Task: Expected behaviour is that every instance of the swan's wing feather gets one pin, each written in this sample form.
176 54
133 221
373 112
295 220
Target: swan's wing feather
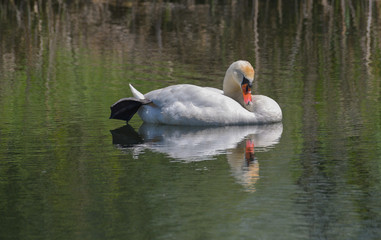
216 90
125 108
192 105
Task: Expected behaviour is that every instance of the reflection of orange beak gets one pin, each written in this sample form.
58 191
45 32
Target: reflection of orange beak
249 151
246 92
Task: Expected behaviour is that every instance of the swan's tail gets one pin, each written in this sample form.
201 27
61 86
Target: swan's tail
136 93
125 108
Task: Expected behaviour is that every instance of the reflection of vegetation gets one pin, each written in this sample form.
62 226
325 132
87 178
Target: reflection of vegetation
62 63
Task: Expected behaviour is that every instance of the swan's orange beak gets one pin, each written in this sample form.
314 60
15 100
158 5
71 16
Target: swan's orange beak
246 92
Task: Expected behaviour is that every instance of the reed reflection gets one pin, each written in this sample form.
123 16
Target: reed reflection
189 144
190 30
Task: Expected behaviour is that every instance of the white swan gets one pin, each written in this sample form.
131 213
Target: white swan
186 104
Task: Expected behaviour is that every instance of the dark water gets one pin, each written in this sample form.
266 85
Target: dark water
68 172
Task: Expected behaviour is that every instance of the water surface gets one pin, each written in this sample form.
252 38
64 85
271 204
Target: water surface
68 172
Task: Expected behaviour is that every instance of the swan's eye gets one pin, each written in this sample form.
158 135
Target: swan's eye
246 81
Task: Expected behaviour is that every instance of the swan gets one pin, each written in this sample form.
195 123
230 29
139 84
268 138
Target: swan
186 104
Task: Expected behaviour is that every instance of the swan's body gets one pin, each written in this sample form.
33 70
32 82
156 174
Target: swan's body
192 105
186 104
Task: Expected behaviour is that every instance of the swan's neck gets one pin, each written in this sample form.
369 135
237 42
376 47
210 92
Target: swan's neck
233 90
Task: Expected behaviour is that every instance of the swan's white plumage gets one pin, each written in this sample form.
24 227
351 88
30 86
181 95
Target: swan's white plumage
186 104
193 105
136 93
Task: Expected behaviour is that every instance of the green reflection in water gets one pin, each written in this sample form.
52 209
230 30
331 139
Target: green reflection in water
63 64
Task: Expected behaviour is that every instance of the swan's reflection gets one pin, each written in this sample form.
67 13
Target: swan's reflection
244 165
189 144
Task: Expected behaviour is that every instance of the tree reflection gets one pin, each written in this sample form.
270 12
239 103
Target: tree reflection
180 28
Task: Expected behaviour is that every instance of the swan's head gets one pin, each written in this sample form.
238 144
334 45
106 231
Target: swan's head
238 81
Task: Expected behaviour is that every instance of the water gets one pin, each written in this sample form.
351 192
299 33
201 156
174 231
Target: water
68 172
